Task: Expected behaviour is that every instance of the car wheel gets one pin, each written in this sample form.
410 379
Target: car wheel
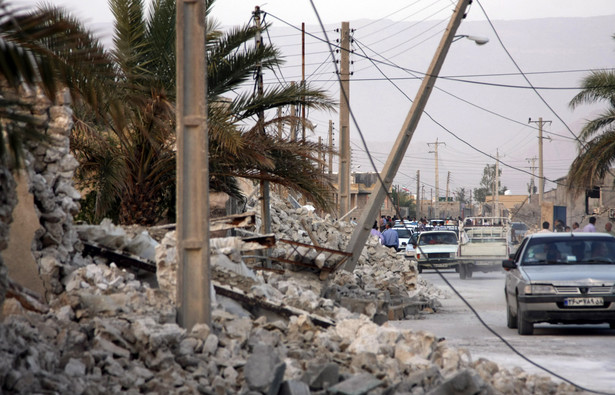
524 327
469 271
511 319
420 269
462 271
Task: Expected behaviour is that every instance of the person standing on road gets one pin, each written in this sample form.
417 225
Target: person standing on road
591 226
376 232
545 227
608 228
575 227
391 238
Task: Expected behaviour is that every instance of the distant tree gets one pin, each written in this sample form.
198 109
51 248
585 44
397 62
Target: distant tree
487 184
461 195
403 198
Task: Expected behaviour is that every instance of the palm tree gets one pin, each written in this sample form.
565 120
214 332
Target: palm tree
128 160
597 149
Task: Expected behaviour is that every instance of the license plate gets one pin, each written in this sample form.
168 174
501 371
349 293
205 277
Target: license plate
583 302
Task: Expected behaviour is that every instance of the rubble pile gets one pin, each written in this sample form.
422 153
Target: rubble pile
109 333
383 286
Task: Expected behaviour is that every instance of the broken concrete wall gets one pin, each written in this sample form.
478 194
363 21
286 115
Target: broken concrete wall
50 168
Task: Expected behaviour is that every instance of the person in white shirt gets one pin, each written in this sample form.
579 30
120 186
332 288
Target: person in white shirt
545 227
591 226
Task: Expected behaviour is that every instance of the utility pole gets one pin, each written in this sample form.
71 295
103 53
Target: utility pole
293 120
497 183
303 80
418 194
330 147
362 231
532 169
541 178
265 198
193 271
435 151
448 184
344 170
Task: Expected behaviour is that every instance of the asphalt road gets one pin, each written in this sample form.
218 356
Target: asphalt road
582 354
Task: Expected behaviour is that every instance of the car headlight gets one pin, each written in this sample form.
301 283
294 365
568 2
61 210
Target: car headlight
539 289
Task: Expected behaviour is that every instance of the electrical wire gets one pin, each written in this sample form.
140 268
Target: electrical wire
497 35
437 270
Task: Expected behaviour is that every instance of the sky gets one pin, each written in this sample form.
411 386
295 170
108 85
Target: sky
229 12
471 138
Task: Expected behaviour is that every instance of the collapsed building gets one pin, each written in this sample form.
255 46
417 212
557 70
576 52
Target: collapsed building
306 326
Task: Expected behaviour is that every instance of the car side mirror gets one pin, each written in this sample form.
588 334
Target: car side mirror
509 264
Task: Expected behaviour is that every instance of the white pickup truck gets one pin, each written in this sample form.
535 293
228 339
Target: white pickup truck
484 242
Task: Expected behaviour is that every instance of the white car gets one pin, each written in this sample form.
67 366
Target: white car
404 235
436 249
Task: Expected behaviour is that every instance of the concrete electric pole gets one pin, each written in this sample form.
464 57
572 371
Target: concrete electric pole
362 231
330 147
437 204
497 183
532 169
418 195
344 170
541 178
193 272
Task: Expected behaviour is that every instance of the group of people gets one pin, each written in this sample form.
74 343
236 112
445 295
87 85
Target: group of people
590 227
388 237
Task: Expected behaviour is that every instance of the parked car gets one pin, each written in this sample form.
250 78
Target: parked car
436 249
404 235
561 278
519 230
410 251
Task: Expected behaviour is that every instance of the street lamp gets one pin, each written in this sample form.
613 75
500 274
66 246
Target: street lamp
477 39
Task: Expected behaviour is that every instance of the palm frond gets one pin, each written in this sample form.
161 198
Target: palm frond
592 164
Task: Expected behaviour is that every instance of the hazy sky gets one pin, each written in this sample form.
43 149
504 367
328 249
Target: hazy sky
233 12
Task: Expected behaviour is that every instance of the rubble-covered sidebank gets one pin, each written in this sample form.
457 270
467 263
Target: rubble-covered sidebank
107 332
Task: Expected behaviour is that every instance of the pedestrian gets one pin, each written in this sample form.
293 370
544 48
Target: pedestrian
545 227
591 226
608 228
567 229
575 227
559 226
390 237
376 232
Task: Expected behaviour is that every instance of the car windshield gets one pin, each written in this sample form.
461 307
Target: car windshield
570 251
519 226
403 233
437 238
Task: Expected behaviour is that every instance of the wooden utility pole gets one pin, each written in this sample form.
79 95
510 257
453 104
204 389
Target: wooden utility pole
362 231
330 147
435 151
293 122
193 271
541 178
418 194
344 169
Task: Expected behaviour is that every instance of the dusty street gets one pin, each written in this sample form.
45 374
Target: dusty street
583 354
